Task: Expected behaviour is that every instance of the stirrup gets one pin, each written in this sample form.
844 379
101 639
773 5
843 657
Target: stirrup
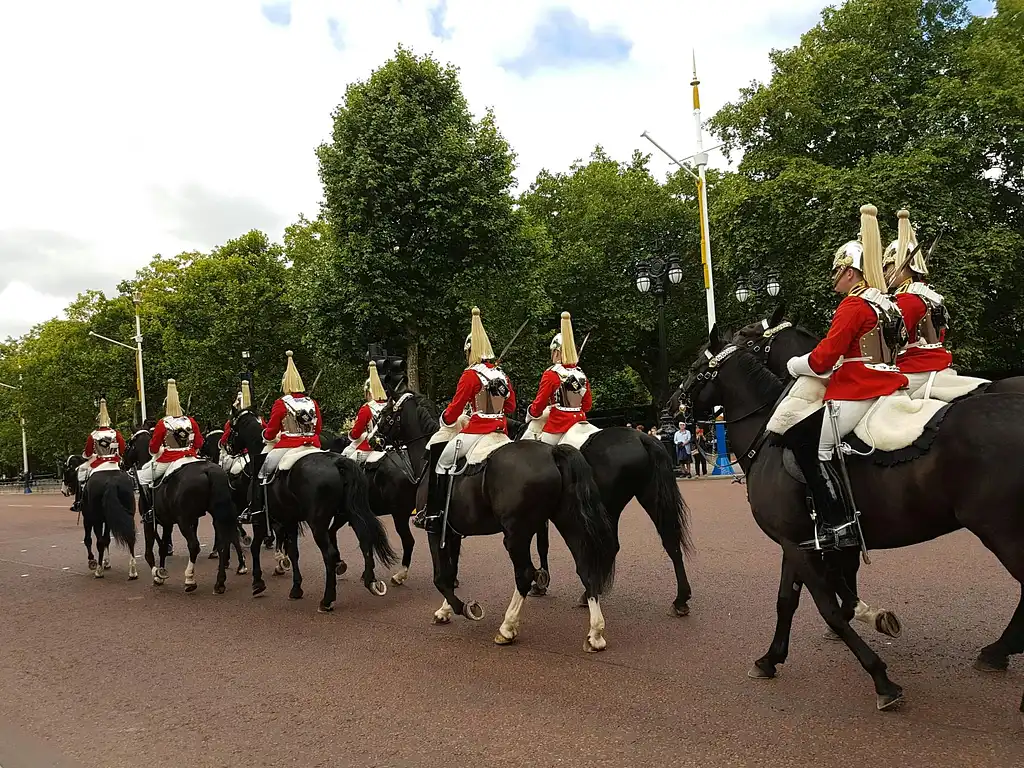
830 539
420 521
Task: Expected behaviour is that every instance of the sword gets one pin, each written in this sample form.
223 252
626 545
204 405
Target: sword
448 496
513 341
935 242
584 344
833 416
310 393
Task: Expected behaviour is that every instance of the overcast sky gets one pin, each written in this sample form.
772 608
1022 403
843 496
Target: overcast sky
136 127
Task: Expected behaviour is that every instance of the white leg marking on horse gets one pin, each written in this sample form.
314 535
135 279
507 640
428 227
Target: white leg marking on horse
133 571
444 613
190 573
510 626
400 577
595 639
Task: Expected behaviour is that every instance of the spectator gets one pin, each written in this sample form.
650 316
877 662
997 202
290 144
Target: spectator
700 450
640 428
682 440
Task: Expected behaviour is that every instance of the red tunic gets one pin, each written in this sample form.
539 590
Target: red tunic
276 422
915 359
468 387
559 421
226 435
363 419
853 381
90 449
173 454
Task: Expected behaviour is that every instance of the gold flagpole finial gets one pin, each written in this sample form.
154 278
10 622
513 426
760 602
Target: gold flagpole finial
695 83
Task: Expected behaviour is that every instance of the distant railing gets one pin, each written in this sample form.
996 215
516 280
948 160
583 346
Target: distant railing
50 485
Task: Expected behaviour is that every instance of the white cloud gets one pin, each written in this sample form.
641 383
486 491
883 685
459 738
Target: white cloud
133 128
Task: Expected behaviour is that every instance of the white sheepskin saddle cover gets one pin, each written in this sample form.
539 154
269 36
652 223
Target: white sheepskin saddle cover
948 385
234 465
445 434
294 454
174 466
106 466
893 423
578 434
363 457
485 446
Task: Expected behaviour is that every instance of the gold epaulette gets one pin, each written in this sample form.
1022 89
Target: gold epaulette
904 286
858 289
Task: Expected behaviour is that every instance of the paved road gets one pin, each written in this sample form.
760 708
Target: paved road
111 673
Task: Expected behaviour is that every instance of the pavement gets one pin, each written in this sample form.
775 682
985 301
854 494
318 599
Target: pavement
114 673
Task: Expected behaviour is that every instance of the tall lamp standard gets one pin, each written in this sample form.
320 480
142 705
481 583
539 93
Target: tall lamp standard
24 441
137 349
748 288
654 275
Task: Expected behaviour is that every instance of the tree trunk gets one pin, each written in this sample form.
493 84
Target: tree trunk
412 364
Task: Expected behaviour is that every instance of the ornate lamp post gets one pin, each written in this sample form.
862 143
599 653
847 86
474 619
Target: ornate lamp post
655 275
749 287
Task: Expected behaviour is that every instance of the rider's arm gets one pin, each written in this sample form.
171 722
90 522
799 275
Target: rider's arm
159 432
227 433
198 442
510 402
362 419
319 419
120 444
89 448
846 324
549 382
588 401
912 308
469 385
277 414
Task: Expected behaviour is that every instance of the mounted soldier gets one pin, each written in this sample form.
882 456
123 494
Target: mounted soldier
175 437
563 398
858 357
226 432
366 420
925 362
483 398
105 445
294 422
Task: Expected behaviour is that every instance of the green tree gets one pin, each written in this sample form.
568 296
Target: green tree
418 198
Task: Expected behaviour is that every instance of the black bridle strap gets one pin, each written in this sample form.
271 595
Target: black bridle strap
762 435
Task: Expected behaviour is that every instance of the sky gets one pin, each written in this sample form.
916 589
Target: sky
135 128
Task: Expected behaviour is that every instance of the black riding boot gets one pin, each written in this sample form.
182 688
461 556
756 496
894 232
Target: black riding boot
430 515
835 524
76 506
257 503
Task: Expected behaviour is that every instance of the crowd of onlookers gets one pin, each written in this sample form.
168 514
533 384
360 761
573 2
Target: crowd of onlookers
689 444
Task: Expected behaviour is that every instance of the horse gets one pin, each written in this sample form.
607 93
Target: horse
108 509
775 340
181 499
519 487
908 503
136 456
323 491
627 464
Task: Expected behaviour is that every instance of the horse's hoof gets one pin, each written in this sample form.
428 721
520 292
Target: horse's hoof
595 644
887 623
536 591
830 635
456 584
400 578
322 608
296 593
219 589
92 565
213 555
681 609
133 576
258 589
106 566
473 611
191 587
500 639
379 588
161 573
889 701
340 568
759 672
242 570
98 573
278 570
542 579
158 582
286 563
441 619
983 664
245 540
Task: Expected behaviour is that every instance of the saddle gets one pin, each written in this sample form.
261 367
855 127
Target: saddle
173 467
290 459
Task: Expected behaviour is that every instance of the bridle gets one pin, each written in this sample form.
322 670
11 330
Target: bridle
762 346
391 419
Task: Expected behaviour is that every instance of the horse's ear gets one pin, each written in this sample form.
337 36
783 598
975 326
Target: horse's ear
715 339
778 315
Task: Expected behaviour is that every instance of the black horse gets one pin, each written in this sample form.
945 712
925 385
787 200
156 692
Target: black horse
239 495
108 509
136 456
517 490
324 491
628 464
775 340
904 504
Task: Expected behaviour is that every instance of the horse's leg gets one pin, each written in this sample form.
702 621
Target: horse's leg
105 533
995 656
102 544
88 542
888 694
518 549
260 527
844 580
445 567
401 519
648 499
322 537
190 532
292 548
542 575
785 606
456 546
215 552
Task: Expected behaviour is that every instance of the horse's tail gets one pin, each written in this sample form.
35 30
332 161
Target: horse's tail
582 512
365 524
118 505
221 505
670 514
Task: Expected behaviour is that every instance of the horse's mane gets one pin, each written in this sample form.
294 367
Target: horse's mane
765 383
426 411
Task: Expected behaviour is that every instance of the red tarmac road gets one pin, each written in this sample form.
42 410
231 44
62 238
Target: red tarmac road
111 673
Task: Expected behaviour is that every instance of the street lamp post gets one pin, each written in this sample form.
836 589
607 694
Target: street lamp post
747 288
655 275
24 440
137 349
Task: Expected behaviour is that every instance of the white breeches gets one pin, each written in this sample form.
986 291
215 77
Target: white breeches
271 461
849 413
456 448
150 474
83 473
